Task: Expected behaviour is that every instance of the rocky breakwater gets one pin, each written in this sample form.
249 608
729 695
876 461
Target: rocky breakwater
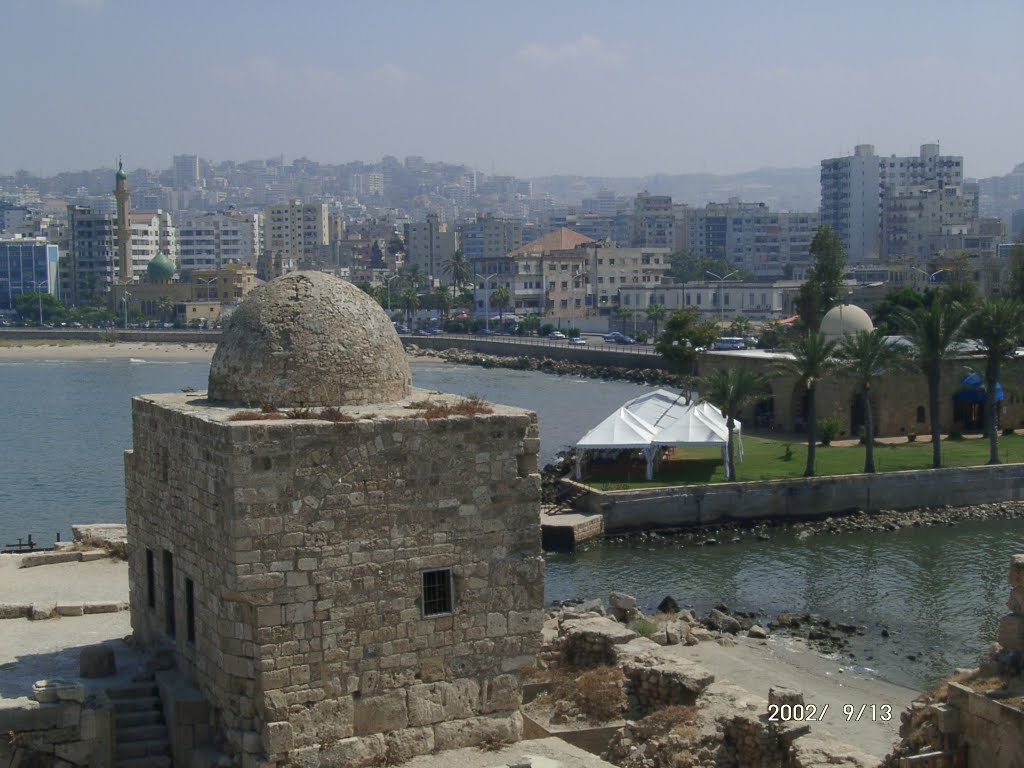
558 367
678 713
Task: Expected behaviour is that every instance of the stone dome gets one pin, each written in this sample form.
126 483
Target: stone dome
843 319
160 267
309 339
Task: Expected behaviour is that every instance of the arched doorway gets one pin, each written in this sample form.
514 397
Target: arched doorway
800 407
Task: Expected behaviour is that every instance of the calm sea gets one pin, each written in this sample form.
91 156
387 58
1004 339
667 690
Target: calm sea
940 592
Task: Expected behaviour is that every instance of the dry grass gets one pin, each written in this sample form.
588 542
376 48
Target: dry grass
256 416
469 406
679 721
598 694
330 413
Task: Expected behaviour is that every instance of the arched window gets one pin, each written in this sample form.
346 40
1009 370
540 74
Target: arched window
920 414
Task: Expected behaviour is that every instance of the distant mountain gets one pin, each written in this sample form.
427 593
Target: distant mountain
784 189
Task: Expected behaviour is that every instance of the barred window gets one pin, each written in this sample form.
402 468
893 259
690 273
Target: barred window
438 592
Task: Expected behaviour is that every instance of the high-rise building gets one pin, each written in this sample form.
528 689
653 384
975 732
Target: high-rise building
489 237
186 171
851 190
428 245
296 232
925 220
654 221
26 265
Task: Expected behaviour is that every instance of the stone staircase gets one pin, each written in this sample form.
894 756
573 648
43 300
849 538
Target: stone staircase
141 732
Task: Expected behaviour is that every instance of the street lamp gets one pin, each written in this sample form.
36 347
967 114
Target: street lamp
721 281
125 297
209 282
487 298
929 277
387 282
39 294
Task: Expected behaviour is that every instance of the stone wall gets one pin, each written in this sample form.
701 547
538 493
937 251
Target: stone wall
305 542
805 498
61 726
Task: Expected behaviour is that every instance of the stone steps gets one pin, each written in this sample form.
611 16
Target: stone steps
141 732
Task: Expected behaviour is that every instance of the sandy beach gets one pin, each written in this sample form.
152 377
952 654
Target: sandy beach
58 349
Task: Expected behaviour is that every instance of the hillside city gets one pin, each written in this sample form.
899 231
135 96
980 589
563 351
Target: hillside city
576 252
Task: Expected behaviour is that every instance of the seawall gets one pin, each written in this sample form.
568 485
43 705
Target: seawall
799 499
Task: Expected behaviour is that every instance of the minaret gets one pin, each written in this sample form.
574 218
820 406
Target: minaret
124 235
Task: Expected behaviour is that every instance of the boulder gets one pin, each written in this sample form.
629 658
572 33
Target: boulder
723 622
758 632
622 606
668 605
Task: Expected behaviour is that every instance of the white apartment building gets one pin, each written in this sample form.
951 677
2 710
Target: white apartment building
851 189
428 245
925 220
210 240
296 231
929 167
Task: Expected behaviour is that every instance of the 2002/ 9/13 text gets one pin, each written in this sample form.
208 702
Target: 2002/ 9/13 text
788 713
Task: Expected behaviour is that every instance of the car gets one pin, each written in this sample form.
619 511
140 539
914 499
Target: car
422 332
730 342
613 336
578 341
435 331
402 328
625 340
484 332
556 335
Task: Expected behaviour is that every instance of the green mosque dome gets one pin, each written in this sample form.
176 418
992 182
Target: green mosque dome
160 268
120 175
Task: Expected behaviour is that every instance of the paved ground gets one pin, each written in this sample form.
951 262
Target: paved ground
542 753
38 650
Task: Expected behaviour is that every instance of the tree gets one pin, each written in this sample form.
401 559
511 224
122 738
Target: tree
740 326
655 314
396 246
813 359
684 333
412 277
997 323
865 355
933 329
731 390
165 307
623 313
410 302
820 291
886 311
442 301
1017 270
500 299
458 270
28 304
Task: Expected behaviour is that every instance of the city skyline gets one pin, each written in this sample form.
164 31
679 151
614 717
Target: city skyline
535 90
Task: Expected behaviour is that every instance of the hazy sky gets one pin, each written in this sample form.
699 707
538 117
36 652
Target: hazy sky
602 87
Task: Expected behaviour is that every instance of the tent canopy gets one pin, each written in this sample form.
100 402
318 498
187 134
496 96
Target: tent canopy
658 419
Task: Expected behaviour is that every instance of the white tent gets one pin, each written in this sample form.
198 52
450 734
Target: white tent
659 419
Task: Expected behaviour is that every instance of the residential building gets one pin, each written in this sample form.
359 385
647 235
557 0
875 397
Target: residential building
713 300
489 237
297 232
27 265
428 245
851 190
211 240
654 221
186 171
921 221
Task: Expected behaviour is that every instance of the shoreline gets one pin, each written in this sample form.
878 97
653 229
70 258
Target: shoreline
90 350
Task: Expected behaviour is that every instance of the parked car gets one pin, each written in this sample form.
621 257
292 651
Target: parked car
422 332
613 336
557 336
402 328
578 341
484 332
625 340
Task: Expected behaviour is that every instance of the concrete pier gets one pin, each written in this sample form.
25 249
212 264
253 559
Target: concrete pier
563 531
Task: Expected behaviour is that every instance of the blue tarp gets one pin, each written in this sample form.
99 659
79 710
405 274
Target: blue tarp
972 389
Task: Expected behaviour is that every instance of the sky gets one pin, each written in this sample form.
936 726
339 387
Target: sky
602 87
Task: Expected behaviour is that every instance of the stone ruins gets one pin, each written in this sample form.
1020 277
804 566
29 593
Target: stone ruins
350 574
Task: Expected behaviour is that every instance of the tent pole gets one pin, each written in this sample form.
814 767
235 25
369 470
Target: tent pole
579 465
649 455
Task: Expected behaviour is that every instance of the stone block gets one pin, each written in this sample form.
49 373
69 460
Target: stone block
305 757
436 702
1017 571
494 729
497 625
377 714
71 692
779 695
45 691
96 660
14 610
501 693
408 743
1011 632
269 616
100 607
298 612
74 609
41 612
356 752
1016 601
75 752
278 737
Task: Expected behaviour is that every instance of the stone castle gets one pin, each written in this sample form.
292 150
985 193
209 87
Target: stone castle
345 567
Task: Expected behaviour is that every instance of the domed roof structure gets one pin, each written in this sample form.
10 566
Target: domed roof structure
843 319
309 339
120 175
160 267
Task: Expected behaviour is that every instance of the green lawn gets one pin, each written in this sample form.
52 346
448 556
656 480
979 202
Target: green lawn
765 459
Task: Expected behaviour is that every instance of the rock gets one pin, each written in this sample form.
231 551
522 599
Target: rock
97 661
726 641
660 636
758 632
622 606
779 695
721 621
668 605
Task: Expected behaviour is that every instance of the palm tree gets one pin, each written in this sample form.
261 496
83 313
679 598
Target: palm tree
813 359
933 330
411 302
458 270
655 314
740 326
866 356
998 324
623 313
165 307
500 299
731 390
